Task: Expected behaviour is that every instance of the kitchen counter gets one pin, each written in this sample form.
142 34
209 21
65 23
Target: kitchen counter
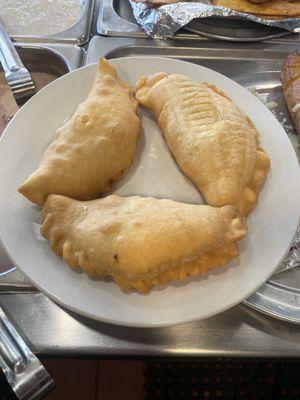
240 332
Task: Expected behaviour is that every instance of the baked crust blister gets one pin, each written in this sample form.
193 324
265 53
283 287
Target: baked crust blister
213 142
141 242
93 147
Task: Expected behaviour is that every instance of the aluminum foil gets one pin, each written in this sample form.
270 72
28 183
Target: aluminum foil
292 260
164 21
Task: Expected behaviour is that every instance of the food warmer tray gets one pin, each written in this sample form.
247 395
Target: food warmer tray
116 19
257 69
77 34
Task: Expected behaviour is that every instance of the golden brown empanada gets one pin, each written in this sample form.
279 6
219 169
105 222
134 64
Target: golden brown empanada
214 143
141 242
91 149
274 7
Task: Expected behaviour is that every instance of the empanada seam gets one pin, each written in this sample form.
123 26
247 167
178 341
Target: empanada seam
154 272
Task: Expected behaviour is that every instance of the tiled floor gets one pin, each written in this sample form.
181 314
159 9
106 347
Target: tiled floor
96 380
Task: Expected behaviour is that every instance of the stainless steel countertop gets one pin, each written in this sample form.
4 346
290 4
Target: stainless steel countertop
239 332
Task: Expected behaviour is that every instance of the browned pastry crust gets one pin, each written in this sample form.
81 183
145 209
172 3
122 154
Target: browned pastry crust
274 7
265 1
259 1
141 242
290 78
91 149
214 143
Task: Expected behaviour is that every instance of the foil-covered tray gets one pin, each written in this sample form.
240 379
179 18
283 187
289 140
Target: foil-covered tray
280 296
164 21
234 29
116 19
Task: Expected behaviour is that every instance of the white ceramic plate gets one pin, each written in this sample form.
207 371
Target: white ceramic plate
271 225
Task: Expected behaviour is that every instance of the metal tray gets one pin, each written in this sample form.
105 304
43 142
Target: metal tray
56 59
257 68
76 34
116 19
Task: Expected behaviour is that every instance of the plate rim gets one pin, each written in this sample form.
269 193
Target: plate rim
169 322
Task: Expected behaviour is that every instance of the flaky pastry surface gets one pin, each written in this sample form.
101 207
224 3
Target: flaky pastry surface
214 143
141 242
93 147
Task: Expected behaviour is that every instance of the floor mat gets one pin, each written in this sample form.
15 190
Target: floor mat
222 380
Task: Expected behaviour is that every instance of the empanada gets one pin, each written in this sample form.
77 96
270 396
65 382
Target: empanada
274 7
93 147
214 143
141 242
